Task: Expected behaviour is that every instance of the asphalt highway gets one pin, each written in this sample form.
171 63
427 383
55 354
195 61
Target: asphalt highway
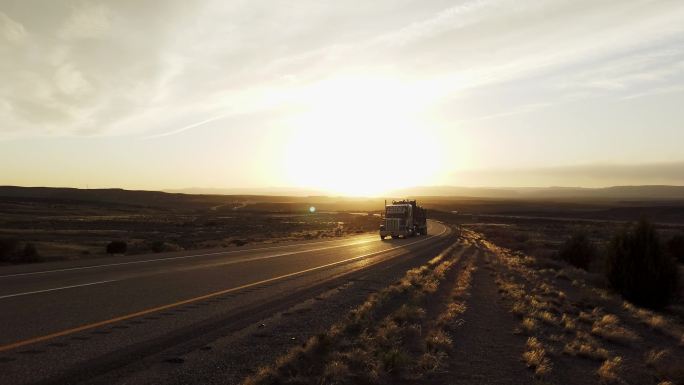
65 321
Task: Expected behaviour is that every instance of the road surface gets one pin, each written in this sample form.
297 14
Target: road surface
69 321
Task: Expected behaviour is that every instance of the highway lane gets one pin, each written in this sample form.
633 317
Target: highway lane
92 309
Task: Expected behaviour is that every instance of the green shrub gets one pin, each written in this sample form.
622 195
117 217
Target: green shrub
117 247
639 269
578 251
675 246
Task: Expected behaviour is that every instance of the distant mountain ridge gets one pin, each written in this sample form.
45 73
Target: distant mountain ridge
261 191
203 196
646 192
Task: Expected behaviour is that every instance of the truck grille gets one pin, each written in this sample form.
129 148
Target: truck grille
392 224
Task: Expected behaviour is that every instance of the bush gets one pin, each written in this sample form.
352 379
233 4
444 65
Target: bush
117 247
28 255
578 251
239 242
11 250
675 246
639 269
8 249
162 247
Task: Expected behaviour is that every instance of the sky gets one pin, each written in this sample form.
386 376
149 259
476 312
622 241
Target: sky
348 97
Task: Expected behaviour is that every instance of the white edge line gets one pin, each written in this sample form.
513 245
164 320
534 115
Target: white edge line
178 257
55 289
250 284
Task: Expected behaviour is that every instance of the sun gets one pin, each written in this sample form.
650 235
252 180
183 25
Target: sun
360 138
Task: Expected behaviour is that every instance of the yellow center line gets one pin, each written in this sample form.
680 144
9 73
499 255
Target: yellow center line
62 333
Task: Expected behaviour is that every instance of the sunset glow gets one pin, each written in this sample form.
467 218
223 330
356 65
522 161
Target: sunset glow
361 137
336 99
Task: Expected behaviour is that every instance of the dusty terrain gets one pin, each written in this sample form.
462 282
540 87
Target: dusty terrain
80 225
497 306
482 314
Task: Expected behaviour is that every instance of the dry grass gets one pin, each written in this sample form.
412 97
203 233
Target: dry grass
609 328
528 325
609 372
535 357
450 316
568 323
669 367
371 350
336 372
585 349
654 357
656 321
439 341
547 318
545 312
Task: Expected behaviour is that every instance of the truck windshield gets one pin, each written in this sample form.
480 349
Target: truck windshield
395 212
395 215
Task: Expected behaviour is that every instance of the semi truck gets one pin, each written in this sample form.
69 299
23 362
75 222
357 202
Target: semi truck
403 219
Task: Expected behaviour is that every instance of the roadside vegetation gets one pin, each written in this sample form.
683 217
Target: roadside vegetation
579 329
639 268
58 229
402 333
14 251
578 251
573 326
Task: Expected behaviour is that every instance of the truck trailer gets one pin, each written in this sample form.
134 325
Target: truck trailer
403 219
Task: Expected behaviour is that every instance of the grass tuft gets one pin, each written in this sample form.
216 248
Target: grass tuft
536 357
609 372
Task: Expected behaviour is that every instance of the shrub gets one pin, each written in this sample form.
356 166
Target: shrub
116 247
162 247
639 269
29 254
238 242
8 248
578 251
675 246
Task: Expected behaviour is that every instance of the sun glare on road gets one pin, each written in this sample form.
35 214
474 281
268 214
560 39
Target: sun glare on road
361 137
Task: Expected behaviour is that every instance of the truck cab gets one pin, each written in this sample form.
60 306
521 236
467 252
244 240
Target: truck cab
403 219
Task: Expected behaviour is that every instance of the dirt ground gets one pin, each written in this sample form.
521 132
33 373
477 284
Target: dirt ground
70 230
483 314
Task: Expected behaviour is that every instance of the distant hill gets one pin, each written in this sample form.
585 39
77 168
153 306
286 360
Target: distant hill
214 197
261 191
169 200
613 193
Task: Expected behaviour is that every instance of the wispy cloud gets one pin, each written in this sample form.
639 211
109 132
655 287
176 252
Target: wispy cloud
114 68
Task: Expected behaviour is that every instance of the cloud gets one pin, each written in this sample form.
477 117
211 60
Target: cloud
87 21
71 82
156 67
11 30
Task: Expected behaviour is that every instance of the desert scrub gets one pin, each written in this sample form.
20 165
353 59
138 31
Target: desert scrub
116 247
528 325
535 357
657 322
585 348
578 251
11 250
609 328
369 349
639 269
609 372
668 367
